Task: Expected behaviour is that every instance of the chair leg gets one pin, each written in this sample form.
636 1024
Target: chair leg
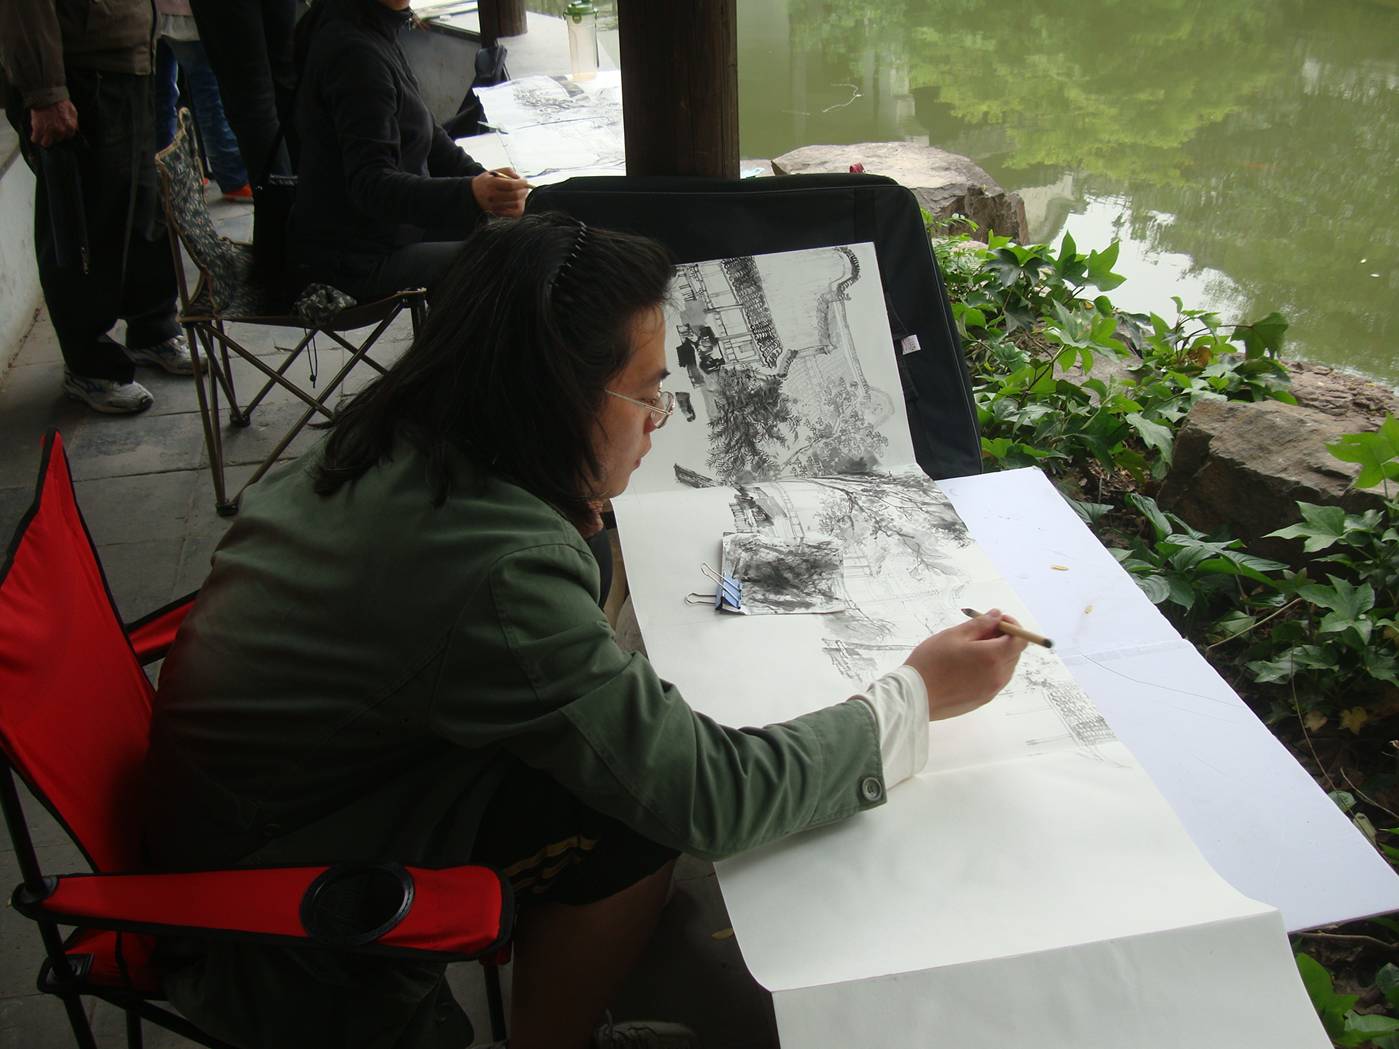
495 1003
77 1019
134 1038
209 414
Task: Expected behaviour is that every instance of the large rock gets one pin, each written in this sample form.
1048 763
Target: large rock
946 184
1242 466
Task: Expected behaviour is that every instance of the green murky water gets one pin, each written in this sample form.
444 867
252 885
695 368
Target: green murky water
1245 152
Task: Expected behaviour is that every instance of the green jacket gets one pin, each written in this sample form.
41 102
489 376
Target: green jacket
356 666
40 39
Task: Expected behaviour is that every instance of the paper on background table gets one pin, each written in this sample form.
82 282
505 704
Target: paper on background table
554 128
1257 816
488 150
1032 830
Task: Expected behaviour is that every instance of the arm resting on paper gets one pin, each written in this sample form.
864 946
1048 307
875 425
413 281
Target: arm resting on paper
607 728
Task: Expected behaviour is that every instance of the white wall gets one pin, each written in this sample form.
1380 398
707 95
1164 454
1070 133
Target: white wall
19 279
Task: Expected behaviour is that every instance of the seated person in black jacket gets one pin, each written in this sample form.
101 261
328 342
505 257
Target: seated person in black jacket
384 196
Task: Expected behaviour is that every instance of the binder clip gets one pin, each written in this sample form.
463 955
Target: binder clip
728 594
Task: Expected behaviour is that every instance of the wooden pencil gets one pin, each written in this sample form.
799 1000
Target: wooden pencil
1014 631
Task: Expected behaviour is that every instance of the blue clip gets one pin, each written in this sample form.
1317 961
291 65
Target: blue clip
729 596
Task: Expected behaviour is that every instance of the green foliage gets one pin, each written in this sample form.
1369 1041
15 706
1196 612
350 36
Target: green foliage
1340 647
1093 396
1343 1024
1034 338
1377 453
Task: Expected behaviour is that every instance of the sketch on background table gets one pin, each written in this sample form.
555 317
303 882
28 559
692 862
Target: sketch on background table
765 357
553 128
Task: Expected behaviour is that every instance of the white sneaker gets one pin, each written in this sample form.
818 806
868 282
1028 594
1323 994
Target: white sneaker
107 395
644 1034
172 355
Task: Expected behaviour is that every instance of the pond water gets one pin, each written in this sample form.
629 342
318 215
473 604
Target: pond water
1243 151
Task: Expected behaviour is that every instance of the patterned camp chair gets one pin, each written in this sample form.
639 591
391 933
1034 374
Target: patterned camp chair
228 291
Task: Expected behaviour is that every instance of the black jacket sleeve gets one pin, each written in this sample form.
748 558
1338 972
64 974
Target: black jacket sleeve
447 159
362 97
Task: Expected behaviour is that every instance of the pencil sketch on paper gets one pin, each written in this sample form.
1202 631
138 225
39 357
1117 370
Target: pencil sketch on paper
907 565
781 576
766 359
553 128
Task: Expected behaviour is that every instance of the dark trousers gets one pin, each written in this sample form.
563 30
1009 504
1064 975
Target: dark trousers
131 274
367 277
249 44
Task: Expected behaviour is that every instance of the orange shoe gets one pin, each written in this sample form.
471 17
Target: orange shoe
242 195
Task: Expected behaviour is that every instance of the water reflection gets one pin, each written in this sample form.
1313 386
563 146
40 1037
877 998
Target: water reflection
1245 150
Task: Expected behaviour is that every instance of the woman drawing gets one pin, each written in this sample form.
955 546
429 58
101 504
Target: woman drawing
399 654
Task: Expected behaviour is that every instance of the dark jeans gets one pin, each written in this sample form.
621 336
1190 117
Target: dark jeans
187 56
249 44
132 273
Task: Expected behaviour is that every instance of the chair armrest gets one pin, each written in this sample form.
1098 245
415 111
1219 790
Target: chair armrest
151 636
447 914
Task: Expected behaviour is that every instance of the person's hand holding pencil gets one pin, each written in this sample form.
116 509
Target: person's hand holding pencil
501 191
1014 629
963 667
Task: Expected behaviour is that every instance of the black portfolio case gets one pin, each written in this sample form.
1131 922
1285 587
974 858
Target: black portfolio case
700 218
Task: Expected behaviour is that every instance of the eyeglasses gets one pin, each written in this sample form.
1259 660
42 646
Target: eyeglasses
662 406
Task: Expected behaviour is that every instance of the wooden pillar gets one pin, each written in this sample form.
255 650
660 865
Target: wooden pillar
680 86
501 18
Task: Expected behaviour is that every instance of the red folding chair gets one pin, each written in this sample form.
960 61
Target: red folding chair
75 709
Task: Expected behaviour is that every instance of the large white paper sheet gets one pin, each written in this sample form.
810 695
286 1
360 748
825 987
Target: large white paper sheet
1033 831
1254 812
1106 995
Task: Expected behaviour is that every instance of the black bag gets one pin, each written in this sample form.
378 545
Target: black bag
273 199
699 218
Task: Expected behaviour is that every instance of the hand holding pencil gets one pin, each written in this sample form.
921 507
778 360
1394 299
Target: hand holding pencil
500 191
963 667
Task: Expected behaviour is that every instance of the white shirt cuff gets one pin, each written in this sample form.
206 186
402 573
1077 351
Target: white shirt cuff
899 701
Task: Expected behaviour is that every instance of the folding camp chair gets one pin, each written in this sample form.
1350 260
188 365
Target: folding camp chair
75 709
700 218
229 292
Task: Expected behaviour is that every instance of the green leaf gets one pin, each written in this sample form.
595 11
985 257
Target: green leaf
1360 1028
1089 513
1148 509
1375 452
1180 591
1067 248
1387 980
1344 799
1321 527
1154 586
1262 336
1154 435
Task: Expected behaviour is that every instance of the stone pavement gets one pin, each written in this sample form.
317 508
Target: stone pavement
144 487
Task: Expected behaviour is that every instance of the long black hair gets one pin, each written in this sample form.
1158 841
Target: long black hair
526 328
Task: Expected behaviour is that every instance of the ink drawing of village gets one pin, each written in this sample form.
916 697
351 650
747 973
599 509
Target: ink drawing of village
769 382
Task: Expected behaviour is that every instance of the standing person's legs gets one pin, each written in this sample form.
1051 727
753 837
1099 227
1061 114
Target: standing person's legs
248 43
147 302
83 305
219 142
